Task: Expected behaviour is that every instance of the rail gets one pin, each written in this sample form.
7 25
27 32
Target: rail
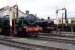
25 46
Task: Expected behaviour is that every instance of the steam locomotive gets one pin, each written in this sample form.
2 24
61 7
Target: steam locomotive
31 26
4 26
26 26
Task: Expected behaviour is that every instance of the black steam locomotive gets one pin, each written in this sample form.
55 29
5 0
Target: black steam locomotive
26 26
4 25
31 26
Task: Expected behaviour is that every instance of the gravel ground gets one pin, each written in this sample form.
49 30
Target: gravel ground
4 47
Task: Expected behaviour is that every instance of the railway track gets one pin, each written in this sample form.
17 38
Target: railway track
47 38
56 39
25 46
64 34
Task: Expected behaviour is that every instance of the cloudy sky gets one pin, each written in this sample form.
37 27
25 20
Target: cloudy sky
43 8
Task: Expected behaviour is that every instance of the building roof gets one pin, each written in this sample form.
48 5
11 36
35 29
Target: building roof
7 8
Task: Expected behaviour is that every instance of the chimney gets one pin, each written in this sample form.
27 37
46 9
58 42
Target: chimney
27 12
48 18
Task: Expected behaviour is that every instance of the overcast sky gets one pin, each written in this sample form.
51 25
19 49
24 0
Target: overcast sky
43 8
